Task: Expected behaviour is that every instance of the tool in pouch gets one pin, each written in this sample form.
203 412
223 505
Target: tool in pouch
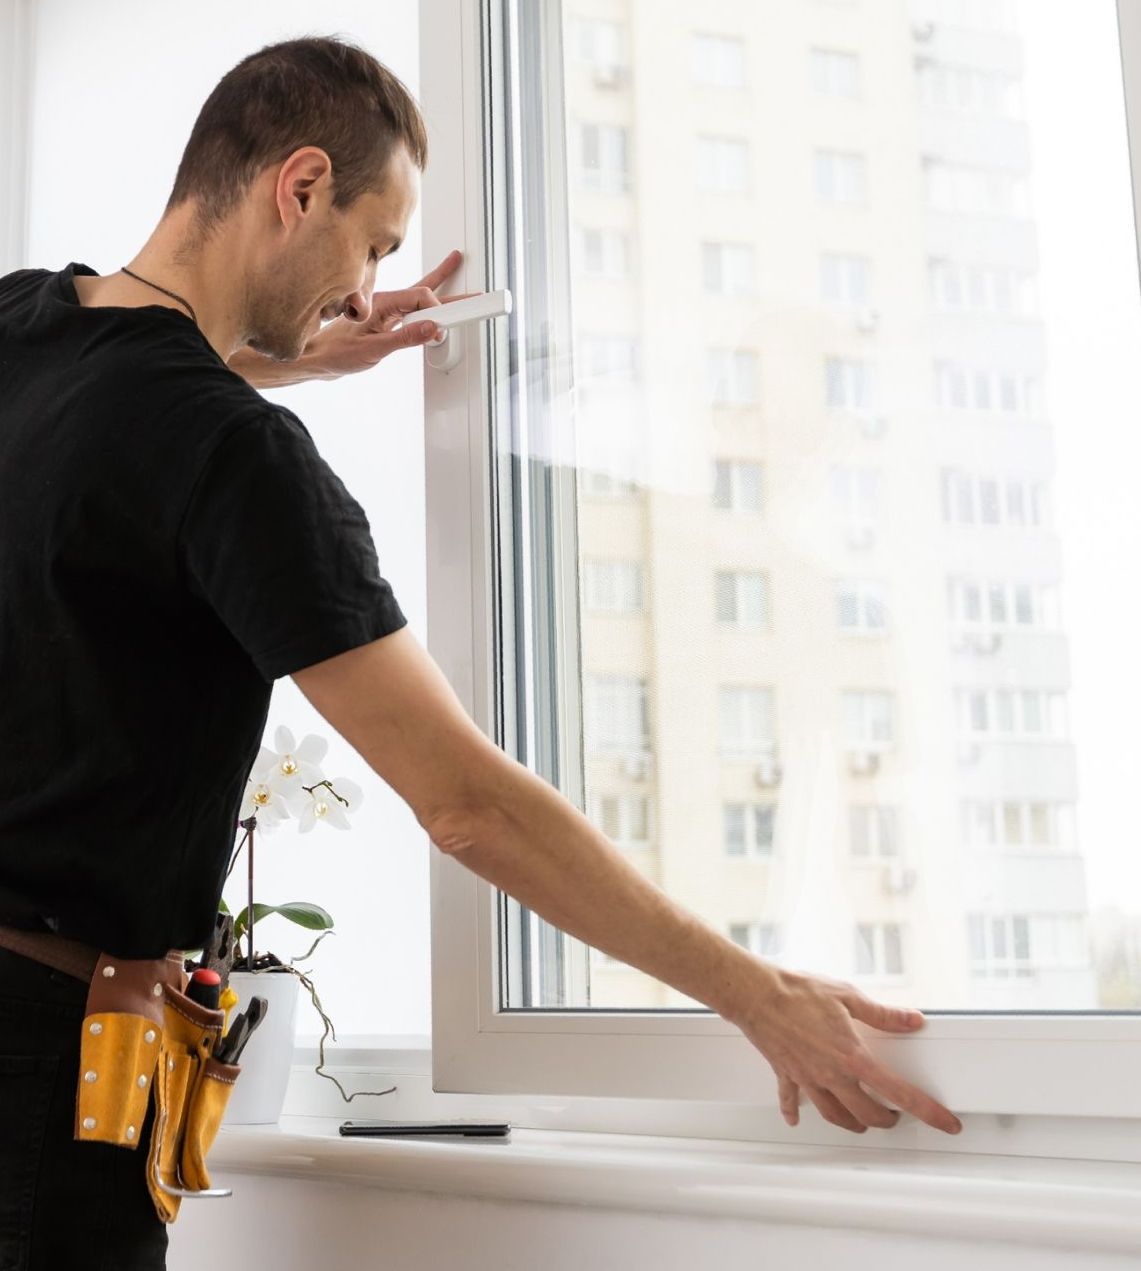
146 1036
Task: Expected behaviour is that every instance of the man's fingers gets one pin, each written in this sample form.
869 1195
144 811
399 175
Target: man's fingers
890 1019
904 1095
789 1100
833 1111
443 271
865 1109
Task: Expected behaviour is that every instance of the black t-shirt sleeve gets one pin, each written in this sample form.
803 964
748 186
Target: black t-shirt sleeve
281 551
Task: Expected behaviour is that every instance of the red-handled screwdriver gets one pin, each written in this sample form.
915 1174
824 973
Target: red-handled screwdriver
204 988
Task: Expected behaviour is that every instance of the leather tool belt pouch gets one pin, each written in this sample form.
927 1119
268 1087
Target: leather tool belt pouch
143 1038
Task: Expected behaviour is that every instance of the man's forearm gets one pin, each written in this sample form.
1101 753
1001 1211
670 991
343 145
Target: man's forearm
536 846
264 372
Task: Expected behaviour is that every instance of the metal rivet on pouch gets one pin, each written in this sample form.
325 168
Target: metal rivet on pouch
90 1076
130 1131
149 1035
108 971
89 1123
170 1065
157 990
142 1083
95 1029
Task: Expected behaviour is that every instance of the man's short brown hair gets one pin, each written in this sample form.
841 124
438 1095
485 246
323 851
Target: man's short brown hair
318 91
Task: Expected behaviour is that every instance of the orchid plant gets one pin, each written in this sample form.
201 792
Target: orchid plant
284 783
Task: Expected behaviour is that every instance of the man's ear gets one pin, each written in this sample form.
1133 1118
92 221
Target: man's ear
300 179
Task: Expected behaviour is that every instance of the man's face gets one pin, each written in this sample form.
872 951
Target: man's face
329 268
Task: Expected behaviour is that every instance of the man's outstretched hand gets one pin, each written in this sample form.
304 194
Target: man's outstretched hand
342 347
804 1029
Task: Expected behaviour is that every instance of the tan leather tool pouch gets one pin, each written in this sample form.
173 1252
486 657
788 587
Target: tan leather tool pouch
143 1038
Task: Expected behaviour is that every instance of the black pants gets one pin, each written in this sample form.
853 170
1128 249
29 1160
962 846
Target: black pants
64 1206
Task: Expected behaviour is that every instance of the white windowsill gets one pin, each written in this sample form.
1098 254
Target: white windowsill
1077 1204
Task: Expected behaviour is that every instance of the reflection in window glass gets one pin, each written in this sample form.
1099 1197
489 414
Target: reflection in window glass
853 671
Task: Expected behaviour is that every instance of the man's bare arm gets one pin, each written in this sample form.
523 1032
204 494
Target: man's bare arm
391 702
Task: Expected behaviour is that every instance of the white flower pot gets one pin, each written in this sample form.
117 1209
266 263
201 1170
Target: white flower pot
266 1061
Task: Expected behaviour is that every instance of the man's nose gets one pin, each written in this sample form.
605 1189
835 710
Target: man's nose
358 306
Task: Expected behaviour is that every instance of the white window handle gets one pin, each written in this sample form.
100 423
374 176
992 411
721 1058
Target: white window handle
444 354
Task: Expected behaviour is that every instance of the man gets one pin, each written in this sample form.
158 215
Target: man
172 543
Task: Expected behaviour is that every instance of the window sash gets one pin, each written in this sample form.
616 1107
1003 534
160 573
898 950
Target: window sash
976 1063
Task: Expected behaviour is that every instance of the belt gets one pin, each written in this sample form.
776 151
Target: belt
69 956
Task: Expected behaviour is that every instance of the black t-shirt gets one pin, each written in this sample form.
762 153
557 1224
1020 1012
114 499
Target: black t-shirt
170 544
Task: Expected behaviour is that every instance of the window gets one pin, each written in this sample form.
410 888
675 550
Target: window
976 191
617 717
719 61
746 722
1013 714
1028 945
729 721
722 165
969 89
737 485
604 158
990 501
873 831
1018 826
855 495
860 604
623 818
844 279
742 599
604 253
613 586
976 15
728 269
840 178
761 938
731 377
609 359
848 384
835 74
978 604
868 719
879 949
603 44
1008 392
749 829
961 287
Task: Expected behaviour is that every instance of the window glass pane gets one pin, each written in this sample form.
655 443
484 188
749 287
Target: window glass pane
877 306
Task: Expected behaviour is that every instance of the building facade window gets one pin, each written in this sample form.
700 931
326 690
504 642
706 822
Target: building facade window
879 949
737 485
604 253
602 44
749 828
841 177
964 388
1018 714
873 831
849 384
1018 825
604 158
834 74
861 606
960 287
741 598
718 61
746 723
623 818
732 377
722 165
855 495
970 499
979 604
607 359
613 586
762 938
970 90
976 191
845 280
868 717
728 269
616 715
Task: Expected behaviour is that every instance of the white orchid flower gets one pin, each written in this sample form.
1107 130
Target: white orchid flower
262 800
330 805
291 767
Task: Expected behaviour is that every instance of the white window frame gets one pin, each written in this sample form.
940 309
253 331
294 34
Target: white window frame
976 1063
17 33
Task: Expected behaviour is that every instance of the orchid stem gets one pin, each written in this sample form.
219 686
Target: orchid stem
250 910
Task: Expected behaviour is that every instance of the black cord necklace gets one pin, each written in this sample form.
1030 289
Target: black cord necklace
124 270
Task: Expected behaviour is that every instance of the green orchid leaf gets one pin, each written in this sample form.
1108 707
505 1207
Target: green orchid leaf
312 917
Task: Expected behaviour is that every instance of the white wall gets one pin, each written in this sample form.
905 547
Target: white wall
116 87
